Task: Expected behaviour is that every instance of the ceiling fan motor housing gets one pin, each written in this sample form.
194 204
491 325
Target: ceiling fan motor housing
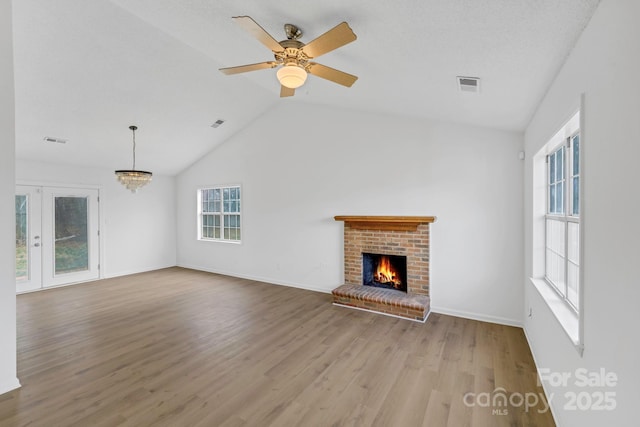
292 54
292 31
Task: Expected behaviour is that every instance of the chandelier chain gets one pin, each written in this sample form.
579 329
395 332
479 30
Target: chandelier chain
133 129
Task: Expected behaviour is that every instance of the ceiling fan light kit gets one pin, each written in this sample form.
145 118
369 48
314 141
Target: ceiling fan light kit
294 57
292 76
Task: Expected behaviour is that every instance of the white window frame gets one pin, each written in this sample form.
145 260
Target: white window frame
570 317
566 216
223 215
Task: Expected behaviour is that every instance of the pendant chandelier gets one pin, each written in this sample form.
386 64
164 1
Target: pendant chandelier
133 179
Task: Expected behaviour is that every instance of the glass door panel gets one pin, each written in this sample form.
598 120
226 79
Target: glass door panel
22 238
71 234
70 219
28 202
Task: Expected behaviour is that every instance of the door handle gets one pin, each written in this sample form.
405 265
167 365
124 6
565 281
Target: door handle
36 244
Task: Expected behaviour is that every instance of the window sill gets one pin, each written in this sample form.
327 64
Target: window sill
567 318
233 242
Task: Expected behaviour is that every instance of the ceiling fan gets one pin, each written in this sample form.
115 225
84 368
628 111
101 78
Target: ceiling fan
294 57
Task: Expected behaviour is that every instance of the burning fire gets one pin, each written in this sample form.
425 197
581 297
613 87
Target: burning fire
386 274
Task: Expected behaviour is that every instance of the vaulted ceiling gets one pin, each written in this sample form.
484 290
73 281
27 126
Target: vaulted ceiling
86 70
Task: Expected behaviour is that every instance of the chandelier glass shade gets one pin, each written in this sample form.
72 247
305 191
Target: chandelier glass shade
292 76
133 179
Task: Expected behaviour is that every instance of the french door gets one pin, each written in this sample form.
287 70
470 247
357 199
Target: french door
57 236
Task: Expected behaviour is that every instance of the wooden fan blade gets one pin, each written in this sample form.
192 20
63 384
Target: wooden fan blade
338 36
332 74
249 67
253 28
286 91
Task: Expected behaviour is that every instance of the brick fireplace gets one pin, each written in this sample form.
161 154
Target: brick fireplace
396 236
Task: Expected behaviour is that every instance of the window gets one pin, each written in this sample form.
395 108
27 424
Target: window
557 175
219 214
562 220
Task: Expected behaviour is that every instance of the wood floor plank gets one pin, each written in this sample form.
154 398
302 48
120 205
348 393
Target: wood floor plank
178 347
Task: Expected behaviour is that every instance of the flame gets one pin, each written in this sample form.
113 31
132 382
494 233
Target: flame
386 274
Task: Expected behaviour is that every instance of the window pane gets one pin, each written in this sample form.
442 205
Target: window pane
210 226
576 196
552 168
576 155
22 252
225 194
71 234
555 254
560 197
552 199
573 250
560 164
573 284
558 237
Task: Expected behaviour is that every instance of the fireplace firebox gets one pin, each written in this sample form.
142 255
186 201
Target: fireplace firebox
384 271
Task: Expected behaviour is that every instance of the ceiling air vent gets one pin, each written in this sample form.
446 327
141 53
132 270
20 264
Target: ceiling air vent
57 140
217 123
468 84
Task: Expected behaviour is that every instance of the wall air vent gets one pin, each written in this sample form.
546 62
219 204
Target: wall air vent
468 84
57 140
217 123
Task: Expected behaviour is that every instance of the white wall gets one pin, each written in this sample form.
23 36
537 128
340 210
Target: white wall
299 165
600 66
8 379
139 229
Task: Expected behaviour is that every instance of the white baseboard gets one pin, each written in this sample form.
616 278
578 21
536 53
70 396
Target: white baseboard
136 271
8 385
256 278
544 386
477 316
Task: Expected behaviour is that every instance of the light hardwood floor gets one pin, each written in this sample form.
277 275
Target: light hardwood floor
177 347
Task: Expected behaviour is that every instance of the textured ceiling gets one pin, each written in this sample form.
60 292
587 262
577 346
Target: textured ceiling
86 70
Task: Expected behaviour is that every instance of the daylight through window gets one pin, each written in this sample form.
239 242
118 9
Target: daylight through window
562 221
219 213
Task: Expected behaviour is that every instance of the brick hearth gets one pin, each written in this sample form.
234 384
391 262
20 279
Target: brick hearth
403 236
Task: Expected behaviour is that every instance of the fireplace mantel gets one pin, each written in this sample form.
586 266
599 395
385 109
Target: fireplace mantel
396 223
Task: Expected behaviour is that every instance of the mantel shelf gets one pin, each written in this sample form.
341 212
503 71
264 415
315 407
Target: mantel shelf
396 223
